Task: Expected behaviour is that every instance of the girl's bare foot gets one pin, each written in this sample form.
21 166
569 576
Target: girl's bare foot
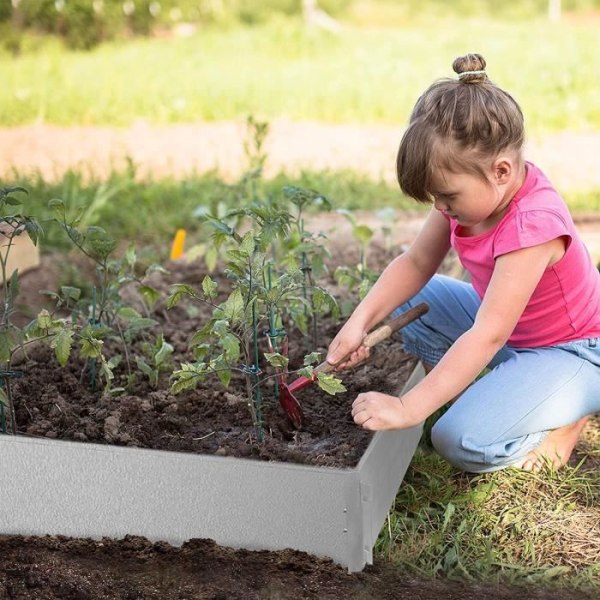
556 448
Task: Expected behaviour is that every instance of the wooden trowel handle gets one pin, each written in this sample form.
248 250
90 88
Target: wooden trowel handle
383 332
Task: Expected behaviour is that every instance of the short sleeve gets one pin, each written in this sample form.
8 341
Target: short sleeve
531 228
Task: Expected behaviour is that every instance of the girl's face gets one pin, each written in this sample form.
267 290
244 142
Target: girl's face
468 198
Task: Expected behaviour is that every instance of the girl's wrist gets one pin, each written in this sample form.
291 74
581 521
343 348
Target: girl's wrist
413 413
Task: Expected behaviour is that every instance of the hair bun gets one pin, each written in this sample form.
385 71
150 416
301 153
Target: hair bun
470 68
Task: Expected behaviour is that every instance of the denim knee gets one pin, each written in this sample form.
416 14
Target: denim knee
469 452
447 441
452 445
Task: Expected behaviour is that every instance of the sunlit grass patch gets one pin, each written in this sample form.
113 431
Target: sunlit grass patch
509 526
284 69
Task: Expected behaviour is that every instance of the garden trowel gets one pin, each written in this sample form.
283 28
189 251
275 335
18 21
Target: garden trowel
286 392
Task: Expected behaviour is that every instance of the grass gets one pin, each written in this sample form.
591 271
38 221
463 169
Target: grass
149 212
367 74
507 527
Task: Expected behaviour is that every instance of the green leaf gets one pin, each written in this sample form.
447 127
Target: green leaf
237 257
149 294
90 348
164 352
188 377
144 367
248 244
142 323
72 293
312 358
128 313
115 361
306 372
224 376
177 292
233 308
201 351
277 360
75 235
33 229
219 226
364 287
62 343
330 384
44 320
13 287
99 242
220 327
3 397
130 256
5 191
323 301
557 571
211 258
56 203
155 268
209 288
448 514
5 346
362 233
344 276
231 347
106 371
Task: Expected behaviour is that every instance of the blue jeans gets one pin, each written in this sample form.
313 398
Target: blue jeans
528 392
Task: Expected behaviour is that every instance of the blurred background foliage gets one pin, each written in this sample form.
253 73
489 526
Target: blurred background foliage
85 23
113 62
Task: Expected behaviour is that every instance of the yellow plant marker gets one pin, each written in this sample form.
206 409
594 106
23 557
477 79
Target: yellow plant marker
178 244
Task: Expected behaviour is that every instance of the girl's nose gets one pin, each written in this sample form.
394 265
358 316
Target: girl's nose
439 205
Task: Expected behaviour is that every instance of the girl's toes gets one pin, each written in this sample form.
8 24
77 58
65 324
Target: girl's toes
532 464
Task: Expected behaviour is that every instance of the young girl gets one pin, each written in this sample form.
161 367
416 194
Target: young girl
531 314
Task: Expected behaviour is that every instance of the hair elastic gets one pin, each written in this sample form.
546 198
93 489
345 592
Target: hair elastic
465 73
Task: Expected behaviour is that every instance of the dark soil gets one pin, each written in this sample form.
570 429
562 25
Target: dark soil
135 569
51 402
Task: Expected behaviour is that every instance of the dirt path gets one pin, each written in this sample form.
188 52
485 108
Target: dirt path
569 159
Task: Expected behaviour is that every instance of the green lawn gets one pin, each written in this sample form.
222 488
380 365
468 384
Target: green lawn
369 74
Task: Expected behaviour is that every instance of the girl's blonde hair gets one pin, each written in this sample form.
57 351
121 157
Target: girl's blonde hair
460 125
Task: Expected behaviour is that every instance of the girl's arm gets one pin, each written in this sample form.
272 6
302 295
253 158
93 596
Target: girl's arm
399 281
515 277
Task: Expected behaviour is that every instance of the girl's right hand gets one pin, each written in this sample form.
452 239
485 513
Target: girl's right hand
346 349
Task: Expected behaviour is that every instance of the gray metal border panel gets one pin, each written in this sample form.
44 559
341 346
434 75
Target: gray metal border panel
89 490
92 490
382 469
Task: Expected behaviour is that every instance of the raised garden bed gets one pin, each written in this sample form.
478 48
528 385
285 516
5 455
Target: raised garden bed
172 468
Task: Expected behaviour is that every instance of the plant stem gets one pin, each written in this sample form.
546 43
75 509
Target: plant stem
11 406
257 394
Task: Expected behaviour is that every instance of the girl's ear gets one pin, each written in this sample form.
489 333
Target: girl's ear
503 169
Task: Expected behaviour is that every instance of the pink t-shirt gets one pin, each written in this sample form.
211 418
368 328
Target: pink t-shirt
565 305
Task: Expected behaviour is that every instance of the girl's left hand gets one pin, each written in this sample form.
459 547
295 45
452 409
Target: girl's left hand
376 412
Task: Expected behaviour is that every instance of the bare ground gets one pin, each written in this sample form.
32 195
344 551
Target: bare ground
569 159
